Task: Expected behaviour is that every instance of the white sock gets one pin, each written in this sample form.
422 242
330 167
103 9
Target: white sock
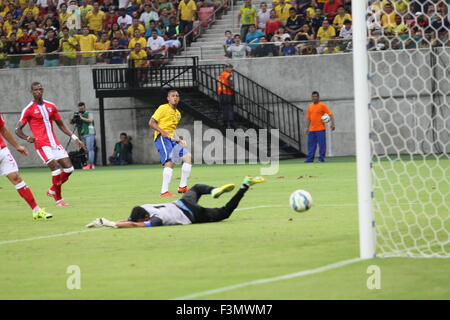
68 170
185 172
167 176
20 185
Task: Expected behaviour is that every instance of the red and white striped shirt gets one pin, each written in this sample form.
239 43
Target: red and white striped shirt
2 124
40 118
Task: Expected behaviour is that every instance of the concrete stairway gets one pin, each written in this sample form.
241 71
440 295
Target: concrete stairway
210 44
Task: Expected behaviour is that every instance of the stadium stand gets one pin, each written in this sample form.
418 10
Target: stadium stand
25 28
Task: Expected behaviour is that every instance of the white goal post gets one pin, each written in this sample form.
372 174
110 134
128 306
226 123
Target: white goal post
402 124
362 131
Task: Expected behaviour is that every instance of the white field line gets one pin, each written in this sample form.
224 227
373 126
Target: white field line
267 280
48 236
82 231
89 230
238 209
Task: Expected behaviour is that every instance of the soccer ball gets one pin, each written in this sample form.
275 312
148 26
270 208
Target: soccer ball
300 200
325 118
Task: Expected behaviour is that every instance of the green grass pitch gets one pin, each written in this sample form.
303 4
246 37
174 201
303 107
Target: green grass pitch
175 261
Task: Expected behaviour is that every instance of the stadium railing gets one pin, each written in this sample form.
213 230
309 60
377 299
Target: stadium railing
307 47
257 106
256 103
202 25
216 52
102 57
129 77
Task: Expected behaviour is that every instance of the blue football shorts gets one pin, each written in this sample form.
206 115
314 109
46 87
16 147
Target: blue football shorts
169 150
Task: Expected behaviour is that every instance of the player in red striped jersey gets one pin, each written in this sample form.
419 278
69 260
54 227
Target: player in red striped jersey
40 115
8 168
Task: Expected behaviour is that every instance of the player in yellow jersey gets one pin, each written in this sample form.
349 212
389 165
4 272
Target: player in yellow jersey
165 121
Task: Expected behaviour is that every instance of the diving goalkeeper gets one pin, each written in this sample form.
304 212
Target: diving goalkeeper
183 211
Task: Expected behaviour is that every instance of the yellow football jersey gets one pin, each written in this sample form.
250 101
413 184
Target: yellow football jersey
167 118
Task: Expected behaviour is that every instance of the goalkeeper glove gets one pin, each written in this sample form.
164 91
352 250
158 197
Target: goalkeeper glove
95 224
106 223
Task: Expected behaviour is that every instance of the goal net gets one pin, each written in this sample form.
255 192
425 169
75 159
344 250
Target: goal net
409 112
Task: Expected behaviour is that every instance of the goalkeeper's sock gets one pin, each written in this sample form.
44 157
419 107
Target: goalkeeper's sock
167 176
185 173
234 202
27 195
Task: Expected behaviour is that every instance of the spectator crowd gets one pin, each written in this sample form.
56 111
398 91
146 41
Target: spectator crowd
303 27
69 32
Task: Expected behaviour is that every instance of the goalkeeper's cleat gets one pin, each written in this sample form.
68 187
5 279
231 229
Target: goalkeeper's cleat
183 190
167 194
251 181
97 223
42 214
61 203
217 192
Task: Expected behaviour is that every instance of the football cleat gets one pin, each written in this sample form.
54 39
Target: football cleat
167 194
42 214
87 167
217 192
251 181
183 190
61 203
51 193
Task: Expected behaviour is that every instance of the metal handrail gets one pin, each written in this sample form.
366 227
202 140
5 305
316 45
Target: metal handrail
64 53
287 112
249 80
200 25
277 43
98 52
235 91
258 105
186 69
258 117
144 77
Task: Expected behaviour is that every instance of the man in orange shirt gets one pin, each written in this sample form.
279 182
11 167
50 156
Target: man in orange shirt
226 95
316 128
